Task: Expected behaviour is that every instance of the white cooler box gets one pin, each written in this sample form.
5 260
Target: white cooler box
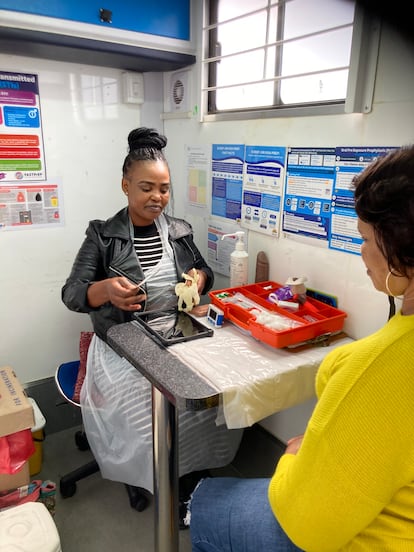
28 528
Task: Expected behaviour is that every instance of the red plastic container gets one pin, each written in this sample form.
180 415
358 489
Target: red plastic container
314 318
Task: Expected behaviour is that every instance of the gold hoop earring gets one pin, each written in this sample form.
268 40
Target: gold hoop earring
387 286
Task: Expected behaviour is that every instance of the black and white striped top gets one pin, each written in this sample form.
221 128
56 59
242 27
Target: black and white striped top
148 245
160 287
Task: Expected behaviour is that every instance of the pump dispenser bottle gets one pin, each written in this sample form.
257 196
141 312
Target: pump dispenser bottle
239 261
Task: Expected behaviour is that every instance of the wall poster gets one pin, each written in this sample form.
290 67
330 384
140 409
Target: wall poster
264 173
29 205
26 199
219 250
198 162
308 192
350 161
319 200
227 164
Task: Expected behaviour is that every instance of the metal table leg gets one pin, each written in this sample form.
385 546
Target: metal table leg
165 464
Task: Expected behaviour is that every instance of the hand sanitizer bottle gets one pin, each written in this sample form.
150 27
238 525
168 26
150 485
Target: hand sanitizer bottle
239 261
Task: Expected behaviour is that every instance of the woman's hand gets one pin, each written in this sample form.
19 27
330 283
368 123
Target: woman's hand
293 445
201 281
119 291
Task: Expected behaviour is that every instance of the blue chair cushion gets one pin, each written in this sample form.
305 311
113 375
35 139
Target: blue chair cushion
66 376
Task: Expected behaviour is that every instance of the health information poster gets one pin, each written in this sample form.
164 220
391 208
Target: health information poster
27 200
21 140
310 175
264 173
227 180
350 161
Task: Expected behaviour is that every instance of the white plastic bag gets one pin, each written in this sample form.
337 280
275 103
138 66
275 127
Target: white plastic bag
116 412
117 415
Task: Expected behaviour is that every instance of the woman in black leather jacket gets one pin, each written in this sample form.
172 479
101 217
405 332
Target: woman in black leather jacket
139 242
107 252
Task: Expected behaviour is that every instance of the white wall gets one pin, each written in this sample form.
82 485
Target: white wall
85 144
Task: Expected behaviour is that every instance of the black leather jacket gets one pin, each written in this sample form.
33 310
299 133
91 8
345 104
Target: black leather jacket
107 251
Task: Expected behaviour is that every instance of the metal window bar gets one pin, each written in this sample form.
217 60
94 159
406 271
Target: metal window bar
279 54
275 79
277 43
269 6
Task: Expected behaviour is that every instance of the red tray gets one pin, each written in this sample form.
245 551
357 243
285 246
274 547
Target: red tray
315 317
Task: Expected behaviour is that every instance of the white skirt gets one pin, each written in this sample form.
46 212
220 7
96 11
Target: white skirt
117 415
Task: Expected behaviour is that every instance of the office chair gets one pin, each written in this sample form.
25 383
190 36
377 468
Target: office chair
66 377
68 383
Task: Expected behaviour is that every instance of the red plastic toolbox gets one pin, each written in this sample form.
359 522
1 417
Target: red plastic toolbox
249 308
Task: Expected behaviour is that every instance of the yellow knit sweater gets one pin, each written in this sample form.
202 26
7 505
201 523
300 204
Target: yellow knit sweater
351 485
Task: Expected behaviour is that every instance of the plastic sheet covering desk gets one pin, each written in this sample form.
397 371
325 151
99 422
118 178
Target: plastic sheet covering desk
255 380
248 379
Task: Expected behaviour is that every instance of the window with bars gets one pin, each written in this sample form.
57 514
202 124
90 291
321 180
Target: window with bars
262 55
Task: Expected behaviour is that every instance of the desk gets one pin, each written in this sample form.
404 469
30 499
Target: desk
181 379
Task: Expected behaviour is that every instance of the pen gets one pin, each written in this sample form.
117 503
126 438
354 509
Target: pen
139 284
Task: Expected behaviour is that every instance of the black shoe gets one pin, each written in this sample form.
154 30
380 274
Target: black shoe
138 497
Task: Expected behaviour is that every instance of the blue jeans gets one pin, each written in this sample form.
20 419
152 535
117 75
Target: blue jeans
231 514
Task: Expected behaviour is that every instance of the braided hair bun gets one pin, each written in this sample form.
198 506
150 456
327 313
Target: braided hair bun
146 138
144 144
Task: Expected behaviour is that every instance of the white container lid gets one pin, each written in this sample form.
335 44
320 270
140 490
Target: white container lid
28 528
40 420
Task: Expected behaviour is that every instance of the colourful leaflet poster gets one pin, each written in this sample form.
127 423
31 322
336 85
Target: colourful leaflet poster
21 142
29 205
26 199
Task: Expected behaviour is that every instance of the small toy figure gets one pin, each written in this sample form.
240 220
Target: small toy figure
187 292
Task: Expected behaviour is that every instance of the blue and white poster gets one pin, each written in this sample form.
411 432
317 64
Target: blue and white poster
227 180
310 175
350 161
264 173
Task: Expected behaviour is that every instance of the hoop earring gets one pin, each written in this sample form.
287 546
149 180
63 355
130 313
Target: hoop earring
387 286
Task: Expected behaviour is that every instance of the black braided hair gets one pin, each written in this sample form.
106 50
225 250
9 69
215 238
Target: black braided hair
144 144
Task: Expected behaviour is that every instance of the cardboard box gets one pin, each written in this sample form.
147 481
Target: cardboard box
16 411
22 477
16 414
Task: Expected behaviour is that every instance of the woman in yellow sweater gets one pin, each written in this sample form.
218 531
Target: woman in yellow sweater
347 484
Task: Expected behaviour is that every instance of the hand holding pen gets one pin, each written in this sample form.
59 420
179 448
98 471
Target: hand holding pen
124 294
120 290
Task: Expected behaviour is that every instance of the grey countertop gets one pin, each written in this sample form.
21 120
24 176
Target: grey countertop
183 387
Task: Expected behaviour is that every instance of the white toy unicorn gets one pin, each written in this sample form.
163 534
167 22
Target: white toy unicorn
187 292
